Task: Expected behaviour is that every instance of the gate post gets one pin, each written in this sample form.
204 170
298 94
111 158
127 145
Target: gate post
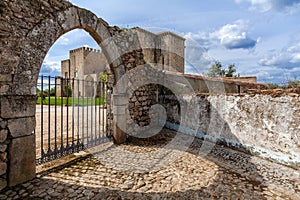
120 104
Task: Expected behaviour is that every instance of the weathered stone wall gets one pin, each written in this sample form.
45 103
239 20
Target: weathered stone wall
94 62
65 65
259 124
17 93
165 49
172 52
202 84
83 63
28 29
139 104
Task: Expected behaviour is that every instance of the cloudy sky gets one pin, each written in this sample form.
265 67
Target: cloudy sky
261 37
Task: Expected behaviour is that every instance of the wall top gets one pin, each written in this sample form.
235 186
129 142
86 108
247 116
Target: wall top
85 49
160 34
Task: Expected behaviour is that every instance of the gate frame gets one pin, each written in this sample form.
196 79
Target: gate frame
76 137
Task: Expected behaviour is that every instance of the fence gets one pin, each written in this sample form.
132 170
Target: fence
71 115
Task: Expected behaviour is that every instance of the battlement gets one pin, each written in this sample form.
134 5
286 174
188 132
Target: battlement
85 49
66 60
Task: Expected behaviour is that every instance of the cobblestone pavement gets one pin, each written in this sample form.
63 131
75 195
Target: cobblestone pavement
152 169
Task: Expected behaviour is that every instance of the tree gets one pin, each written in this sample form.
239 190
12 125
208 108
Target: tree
103 77
294 84
216 70
38 92
231 70
52 92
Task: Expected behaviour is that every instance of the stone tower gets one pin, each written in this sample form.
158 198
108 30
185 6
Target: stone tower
84 64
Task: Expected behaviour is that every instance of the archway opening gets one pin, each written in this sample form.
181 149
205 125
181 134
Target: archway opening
71 108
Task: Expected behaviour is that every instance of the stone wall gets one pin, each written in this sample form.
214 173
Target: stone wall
28 29
166 49
172 52
83 63
202 84
265 125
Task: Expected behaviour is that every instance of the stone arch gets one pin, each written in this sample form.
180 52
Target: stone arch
18 83
37 45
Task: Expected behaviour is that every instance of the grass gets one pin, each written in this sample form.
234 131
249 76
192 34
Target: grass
77 101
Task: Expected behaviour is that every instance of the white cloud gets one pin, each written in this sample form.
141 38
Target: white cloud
203 39
289 6
63 40
51 68
283 64
287 57
200 45
235 36
231 36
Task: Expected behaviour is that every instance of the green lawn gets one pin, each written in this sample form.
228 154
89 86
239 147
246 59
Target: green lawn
77 101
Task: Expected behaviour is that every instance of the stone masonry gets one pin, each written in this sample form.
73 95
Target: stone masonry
84 64
27 31
265 125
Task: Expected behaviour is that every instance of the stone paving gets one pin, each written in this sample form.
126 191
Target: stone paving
153 169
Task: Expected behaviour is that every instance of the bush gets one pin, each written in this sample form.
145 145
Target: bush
273 85
293 84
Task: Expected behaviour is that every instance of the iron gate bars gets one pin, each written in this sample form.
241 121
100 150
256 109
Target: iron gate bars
71 115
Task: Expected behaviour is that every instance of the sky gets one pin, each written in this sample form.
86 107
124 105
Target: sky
261 37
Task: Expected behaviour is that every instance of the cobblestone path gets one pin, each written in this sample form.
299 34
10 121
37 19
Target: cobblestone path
152 169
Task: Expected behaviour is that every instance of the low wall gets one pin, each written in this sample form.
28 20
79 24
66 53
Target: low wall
262 125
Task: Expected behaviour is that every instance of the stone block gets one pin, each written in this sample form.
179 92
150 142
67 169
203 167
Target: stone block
3 184
69 18
21 127
5 77
3 147
13 107
4 89
102 30
3 135
3 156
3 123
22 160
3 168
87 19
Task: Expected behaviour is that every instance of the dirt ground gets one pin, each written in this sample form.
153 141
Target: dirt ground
68 126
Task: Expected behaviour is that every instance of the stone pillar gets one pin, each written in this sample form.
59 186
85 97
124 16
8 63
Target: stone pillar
120 104
17 140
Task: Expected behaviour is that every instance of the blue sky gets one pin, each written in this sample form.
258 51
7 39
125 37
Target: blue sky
261 37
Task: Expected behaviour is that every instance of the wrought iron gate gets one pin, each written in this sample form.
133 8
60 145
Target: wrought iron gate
71 115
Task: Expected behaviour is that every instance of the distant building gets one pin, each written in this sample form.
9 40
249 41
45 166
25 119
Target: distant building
165 49
83 64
